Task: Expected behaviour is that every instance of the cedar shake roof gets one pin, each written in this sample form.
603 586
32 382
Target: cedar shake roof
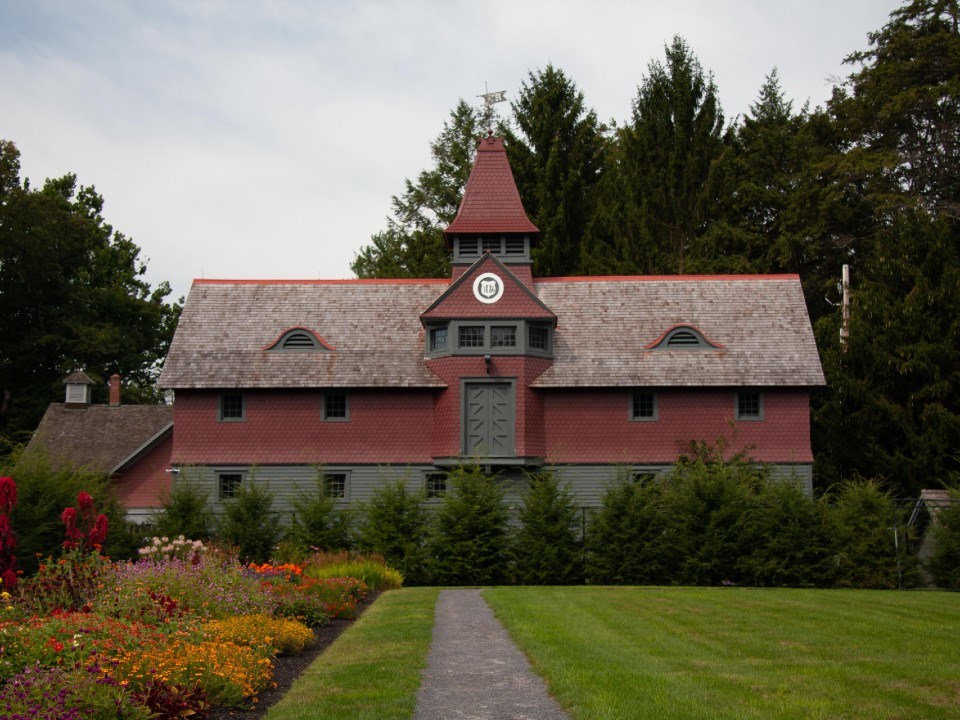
606 325
101 438
372 327
518 301
491 202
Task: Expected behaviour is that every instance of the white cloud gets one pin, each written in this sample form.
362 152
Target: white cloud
255 139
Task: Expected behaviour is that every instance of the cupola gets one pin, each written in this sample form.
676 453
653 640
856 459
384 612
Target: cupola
491 217
79 389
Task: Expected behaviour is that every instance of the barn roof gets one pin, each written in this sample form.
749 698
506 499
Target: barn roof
101 438
371 329
607 327
605 332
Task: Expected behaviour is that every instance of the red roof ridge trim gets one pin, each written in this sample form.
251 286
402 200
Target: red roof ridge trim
349 281
662 278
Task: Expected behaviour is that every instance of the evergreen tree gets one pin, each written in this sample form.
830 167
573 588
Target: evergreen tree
395 524
895 410
468 543
625 539
556 157
249 523
185 511
671 146
546 549
317 523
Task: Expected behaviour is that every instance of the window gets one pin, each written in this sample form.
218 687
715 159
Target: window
335 406
229 485
503 336
438 339
537 338
643 405
335 485
749 405
232 407
435 485
470 336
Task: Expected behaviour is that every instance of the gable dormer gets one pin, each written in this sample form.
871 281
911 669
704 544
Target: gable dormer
491 218
488 310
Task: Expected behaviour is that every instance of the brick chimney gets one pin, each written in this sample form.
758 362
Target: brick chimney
114 390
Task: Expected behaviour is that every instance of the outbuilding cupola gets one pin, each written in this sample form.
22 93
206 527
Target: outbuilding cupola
491 217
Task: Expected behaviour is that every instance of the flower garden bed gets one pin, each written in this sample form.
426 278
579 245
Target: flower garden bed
185 631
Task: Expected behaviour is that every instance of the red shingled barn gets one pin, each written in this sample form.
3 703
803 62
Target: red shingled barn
374 380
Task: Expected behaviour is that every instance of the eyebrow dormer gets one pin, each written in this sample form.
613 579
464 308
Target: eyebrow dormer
299 339
683 337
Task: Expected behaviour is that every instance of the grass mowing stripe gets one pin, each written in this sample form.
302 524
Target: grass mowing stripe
373 669
683 653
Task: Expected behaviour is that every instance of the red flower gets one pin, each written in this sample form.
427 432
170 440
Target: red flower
98 533
85 505
8 494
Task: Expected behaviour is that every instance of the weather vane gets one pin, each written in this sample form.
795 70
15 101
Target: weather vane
489 100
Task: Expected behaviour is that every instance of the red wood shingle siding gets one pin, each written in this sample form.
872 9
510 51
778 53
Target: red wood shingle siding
593 426
145 483
385 426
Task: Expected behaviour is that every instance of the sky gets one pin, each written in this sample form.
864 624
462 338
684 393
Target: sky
241 139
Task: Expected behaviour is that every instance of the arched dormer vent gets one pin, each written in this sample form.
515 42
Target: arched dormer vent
299 339
683 337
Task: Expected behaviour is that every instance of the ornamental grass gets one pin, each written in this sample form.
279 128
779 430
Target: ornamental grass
370 568
281 636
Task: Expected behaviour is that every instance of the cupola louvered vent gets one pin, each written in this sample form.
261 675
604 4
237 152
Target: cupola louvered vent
515 246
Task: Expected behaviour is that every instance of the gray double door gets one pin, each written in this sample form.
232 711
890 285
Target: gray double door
489 410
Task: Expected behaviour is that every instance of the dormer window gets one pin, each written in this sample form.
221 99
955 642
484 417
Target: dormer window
683 337
480 337
299 339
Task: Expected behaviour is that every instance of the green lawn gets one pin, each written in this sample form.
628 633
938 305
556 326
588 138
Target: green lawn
691 653
373 669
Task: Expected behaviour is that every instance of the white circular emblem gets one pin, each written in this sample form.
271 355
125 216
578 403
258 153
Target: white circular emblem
487 288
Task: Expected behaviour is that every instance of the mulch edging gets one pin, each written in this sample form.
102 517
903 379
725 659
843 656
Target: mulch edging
287 669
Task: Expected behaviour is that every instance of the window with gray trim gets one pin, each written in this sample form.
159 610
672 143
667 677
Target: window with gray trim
335 485
538 338
643 405
228 484
471 336
435 485
231 407
503 336
749 405
438 338
336 406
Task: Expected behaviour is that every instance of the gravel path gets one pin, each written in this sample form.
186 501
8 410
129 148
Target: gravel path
474 671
